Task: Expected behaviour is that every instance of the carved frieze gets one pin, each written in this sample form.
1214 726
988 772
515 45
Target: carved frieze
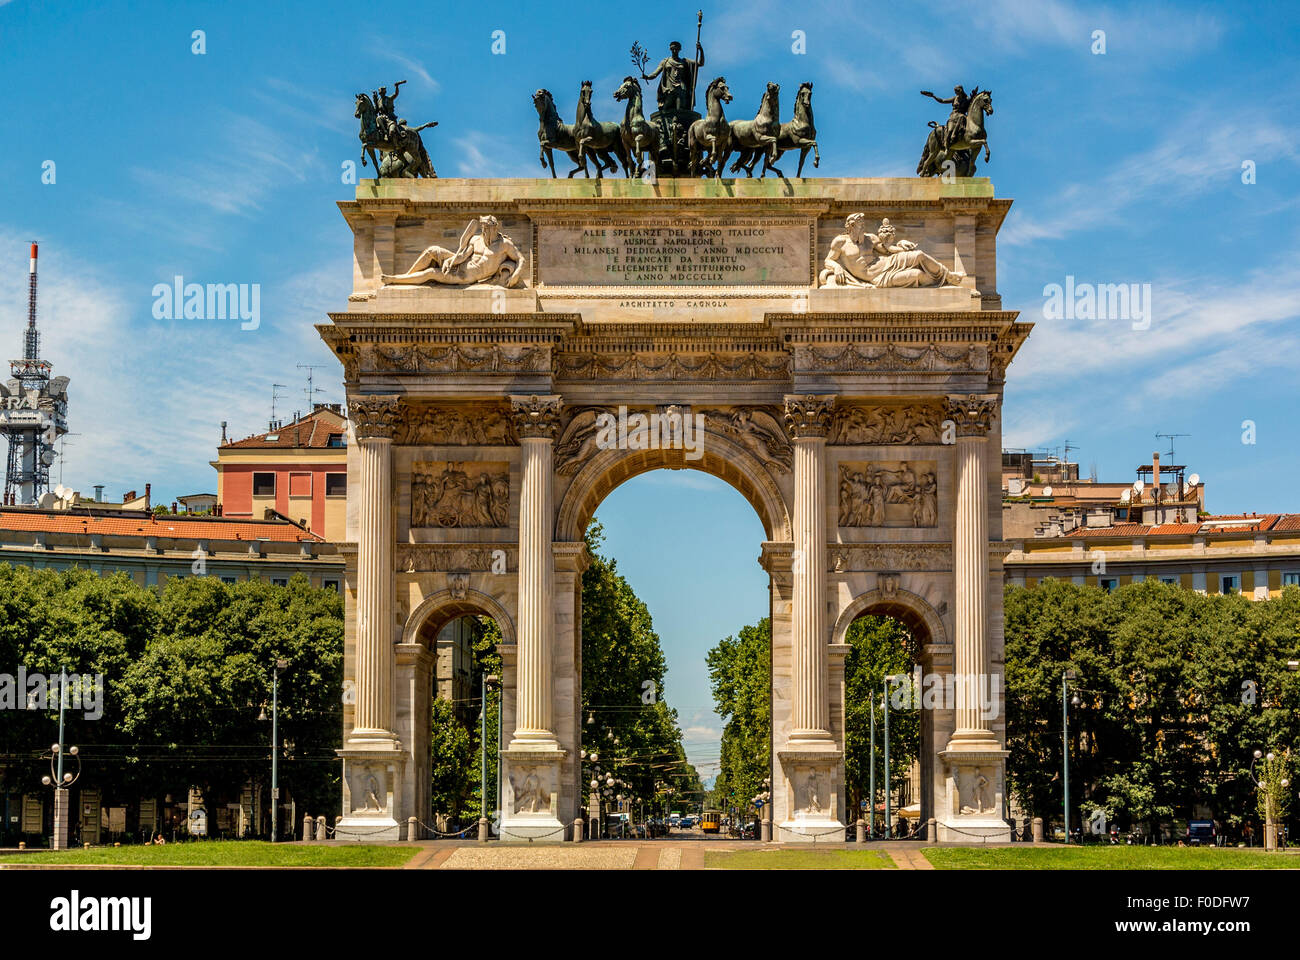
852 358
448 557
460 495
861 424
869 557
899 493
496 358
456 425
672 366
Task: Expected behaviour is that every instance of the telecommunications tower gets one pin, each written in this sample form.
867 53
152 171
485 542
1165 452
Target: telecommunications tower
33 413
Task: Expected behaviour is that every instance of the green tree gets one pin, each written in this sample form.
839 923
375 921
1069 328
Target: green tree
740 674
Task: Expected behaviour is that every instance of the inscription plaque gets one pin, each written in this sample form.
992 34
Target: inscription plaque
656 253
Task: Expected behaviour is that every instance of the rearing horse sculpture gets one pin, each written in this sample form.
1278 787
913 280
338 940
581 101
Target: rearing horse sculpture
553 135
965 151
800 133
597 138
709 138
760 135
406 154
639 135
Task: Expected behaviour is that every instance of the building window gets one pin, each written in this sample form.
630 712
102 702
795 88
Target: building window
332 585
1291 579
338 440
229 580
1230 583
1172 581
336 484
1109 583
264 484
279 581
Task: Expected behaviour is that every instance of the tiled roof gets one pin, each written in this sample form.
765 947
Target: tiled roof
205 528
313 430
1235 523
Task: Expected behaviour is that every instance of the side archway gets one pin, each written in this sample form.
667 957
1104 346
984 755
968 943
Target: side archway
439 609
910 609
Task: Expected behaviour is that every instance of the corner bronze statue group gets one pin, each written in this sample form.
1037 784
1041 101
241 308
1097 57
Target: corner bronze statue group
677 140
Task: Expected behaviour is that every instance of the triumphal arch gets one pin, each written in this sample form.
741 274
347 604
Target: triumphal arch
835 349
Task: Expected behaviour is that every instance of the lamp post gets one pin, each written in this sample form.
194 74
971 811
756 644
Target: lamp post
889 679
871 776
488 680
275 744
59 779
1066 677
1270 822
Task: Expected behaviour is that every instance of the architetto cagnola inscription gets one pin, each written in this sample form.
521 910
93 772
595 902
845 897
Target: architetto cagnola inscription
841 345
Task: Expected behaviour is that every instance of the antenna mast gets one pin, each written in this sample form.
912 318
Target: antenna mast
1170 437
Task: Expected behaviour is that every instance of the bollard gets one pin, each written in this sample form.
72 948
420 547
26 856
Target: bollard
85 846
577 830
767 829
861 830
322 831
412 825
482 829
308 827
117 845
932 830
22 844
1038 830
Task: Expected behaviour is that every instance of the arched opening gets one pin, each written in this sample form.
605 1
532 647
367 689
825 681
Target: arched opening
889 717
451 670
685 543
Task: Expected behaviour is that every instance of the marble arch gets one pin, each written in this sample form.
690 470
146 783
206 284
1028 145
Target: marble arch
854 399
722 458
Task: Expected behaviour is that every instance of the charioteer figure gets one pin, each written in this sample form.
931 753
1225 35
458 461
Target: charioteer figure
960 103
677 78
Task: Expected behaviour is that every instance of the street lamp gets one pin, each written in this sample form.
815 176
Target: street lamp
1066 677
60 779
275 744
488 680
889 678
1270 824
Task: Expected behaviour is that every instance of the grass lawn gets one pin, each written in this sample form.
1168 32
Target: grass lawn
786 859
224 853
1108 858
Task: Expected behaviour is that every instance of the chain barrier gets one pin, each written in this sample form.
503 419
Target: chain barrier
455 833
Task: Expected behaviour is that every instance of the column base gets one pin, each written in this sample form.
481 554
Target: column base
530 794
806 828
374 808
972 810
812 800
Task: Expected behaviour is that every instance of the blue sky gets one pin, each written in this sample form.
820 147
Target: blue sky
1126 167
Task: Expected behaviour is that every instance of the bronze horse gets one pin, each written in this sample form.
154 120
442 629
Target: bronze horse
406 156
965 151
709 138
597 138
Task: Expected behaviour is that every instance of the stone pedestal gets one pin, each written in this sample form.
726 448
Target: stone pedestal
372 795
972 808
530 790
814 807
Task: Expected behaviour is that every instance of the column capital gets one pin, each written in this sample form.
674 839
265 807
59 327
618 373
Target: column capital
808 415
973 413
536 417
375 417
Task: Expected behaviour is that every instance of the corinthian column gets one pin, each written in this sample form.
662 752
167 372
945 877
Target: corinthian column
373 419
808 419
536 421
972 415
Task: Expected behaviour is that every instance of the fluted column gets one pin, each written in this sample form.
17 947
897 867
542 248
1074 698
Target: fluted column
536 421
374 419
972 415
808 419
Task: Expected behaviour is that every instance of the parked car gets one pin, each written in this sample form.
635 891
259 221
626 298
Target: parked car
1200 833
